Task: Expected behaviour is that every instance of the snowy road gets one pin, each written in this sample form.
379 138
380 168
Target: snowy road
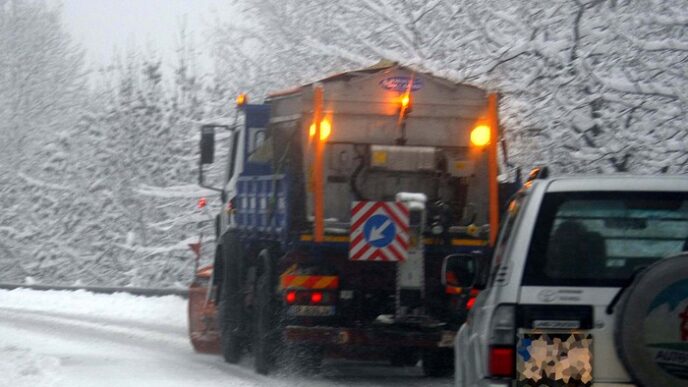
63 338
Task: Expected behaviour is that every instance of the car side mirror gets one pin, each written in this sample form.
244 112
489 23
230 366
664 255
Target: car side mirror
459 270
207 144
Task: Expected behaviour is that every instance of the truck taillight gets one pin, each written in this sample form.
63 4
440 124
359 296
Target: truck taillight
290 297
502 356
316 297
306 297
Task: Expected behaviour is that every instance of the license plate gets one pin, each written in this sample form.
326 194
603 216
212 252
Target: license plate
311 310
554 360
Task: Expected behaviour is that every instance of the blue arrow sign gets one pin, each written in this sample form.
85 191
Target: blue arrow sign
379 230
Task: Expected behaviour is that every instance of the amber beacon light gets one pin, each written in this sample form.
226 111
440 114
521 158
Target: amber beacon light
325 129
241 100
480 135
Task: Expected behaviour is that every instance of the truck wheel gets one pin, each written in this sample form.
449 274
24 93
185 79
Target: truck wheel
229 313
229 340
264 339
438 362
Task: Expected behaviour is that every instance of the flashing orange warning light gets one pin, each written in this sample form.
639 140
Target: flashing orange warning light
405 101
480 135
241 99
405 104
325 129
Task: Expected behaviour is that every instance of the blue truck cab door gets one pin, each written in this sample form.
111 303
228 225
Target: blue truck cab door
243 144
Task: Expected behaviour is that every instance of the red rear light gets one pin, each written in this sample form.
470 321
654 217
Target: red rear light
470 303
316 297
290 297
308 297
502 361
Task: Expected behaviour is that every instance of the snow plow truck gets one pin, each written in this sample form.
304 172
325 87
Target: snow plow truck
341 201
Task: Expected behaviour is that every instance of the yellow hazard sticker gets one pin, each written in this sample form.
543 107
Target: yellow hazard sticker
379 157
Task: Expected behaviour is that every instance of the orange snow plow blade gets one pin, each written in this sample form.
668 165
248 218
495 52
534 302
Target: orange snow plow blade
203 328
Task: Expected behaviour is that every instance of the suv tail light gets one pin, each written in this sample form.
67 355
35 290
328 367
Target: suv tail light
502 361
502 355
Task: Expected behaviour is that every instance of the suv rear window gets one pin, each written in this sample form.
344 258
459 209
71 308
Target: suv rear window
602 238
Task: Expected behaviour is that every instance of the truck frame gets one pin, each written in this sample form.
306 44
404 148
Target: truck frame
285 278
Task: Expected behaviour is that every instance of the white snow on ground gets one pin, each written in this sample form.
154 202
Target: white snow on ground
21 367
77 338
120 306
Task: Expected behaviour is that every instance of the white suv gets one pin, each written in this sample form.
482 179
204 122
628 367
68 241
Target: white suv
586 286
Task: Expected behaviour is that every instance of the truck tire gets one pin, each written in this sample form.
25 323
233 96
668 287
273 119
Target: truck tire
229 340
264 336
438 362
230 310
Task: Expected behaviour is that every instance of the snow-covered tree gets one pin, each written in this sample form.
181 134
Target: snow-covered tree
41 91
41 77
587 85
599 81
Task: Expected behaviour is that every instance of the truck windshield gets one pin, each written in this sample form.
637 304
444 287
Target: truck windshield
602 238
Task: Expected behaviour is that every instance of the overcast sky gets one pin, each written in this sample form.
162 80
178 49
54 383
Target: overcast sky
103 26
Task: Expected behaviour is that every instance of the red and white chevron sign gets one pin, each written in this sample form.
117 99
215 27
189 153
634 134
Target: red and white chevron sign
379 231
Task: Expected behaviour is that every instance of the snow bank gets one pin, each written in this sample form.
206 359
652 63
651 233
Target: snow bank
167 310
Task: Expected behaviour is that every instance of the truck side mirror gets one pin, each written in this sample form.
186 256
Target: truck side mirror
207 144
459 270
